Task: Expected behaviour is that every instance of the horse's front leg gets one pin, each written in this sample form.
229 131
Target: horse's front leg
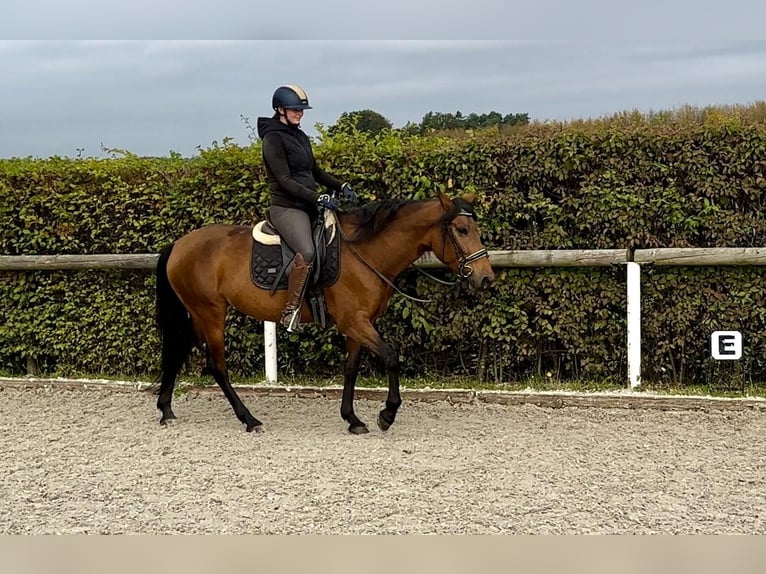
393 400
367 336
350 372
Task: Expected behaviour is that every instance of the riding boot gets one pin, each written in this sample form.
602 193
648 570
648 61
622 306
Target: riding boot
296 281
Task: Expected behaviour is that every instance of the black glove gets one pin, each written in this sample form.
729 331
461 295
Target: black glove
348 192
327 202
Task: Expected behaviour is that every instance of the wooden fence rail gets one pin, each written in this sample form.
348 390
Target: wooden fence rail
517 258
702 256
57 262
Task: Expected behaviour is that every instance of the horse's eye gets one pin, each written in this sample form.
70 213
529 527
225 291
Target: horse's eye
462 230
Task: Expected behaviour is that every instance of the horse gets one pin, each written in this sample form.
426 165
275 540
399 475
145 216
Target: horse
206 271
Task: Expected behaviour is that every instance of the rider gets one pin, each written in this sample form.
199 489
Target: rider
292 174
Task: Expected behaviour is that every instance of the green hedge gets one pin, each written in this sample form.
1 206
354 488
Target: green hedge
585 186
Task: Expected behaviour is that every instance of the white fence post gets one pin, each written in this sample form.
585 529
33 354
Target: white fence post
270 350
634 324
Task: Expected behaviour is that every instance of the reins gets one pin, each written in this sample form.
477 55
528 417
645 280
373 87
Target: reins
378 273
464 267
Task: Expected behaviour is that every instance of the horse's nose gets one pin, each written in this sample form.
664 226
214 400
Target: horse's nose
487 282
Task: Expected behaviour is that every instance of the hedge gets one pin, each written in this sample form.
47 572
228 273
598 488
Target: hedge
581 186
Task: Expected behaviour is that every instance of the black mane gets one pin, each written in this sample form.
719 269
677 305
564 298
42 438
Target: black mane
371 219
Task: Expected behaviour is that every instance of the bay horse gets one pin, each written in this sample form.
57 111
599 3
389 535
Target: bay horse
203 273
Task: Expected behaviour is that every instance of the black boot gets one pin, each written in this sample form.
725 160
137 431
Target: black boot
296 281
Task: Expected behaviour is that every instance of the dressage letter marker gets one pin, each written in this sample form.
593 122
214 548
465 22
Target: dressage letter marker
726 345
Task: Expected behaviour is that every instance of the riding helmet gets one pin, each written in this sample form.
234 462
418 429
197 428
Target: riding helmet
290 97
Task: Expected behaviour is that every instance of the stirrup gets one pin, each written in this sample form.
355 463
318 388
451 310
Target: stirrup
292 321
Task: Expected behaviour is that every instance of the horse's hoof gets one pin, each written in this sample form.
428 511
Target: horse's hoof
164 420
358 429
257 428
383 424
167 416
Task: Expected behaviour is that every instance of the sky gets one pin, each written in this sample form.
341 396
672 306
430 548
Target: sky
213 70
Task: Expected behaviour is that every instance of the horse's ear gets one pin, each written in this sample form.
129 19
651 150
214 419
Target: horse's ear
469 198
446 202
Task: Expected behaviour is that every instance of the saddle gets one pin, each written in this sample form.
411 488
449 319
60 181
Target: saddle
272 259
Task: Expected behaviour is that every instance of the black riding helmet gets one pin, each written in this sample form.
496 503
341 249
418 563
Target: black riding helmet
290 97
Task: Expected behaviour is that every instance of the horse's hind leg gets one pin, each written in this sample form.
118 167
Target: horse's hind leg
212 327
167 384
176 346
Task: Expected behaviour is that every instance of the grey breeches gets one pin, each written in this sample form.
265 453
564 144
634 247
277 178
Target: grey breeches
294 226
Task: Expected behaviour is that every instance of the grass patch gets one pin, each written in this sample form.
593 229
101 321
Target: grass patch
534 384
437 382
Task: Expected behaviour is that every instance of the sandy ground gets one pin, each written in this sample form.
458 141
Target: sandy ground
96 461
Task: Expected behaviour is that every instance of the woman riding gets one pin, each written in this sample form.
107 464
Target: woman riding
293 175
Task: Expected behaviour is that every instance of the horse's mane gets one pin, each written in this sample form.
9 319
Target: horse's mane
369 220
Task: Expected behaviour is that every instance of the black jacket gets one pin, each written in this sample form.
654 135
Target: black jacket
291 170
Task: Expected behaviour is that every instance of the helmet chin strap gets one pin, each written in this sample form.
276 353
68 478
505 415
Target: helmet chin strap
287 120
292 124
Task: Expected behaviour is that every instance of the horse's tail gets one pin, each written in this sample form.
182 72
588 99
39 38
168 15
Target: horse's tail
173 322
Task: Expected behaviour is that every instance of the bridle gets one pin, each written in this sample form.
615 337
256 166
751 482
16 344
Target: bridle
464 270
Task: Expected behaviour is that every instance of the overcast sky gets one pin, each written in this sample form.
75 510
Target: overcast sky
62 95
